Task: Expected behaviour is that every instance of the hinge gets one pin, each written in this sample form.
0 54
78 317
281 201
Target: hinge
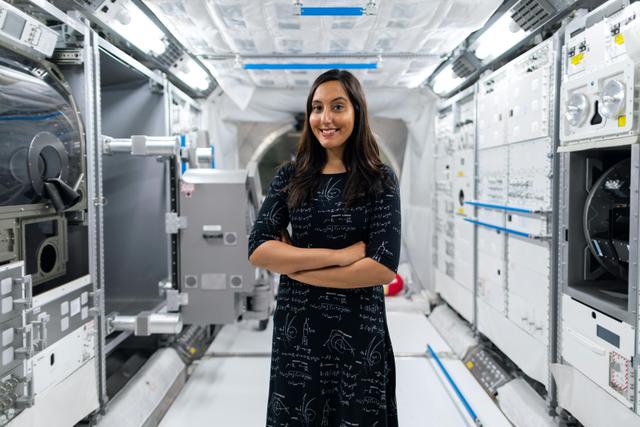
174 223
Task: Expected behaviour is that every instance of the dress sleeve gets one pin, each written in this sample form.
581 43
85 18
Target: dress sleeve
385 225
274 213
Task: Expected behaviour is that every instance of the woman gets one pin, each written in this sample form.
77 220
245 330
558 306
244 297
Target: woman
332 362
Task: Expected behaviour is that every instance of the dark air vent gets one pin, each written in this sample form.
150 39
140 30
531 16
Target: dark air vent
463 67
530 14
171 55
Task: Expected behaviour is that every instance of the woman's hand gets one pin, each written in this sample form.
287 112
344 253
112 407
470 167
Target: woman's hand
351 254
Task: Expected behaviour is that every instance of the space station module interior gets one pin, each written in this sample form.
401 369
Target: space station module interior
132 169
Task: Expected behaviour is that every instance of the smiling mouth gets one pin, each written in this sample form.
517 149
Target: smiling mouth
328 132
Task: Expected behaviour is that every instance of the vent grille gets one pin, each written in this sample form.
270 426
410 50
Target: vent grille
463 67
530 14
170 55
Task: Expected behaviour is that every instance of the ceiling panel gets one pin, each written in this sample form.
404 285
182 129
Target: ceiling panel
409 36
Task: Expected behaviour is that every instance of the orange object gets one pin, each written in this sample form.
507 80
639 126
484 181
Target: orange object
394 287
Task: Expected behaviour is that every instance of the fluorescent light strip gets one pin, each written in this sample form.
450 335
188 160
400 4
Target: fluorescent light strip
498 38
310 66
331 11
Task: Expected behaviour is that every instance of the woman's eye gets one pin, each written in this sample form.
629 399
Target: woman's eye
316 109
338 107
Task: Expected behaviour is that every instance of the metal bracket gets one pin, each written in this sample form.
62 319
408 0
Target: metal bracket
70 37
25 352
174 223
176 299
24 402
27 297
97 302
147 323
156 87
68 56
109 322
41 322
141 324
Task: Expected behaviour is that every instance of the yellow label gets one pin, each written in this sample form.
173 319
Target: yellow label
192 350
622 121
576 59
460 173
470 364
619 38
461 211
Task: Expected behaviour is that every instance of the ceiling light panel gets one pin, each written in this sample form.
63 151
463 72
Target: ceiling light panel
126 19
498 38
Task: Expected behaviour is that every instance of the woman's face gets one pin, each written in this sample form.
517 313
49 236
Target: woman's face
332 115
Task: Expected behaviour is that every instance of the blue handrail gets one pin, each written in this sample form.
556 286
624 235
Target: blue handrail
331 11
505 207
464 401
300 66
506 230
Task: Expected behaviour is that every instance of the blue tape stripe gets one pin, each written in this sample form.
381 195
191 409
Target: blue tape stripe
213 158
466 404
501 207
331 11
342 66
183 143
32 118
495 227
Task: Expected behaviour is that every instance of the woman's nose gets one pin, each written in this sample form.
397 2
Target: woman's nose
327 116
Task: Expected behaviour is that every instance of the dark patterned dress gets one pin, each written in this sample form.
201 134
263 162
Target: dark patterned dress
332 363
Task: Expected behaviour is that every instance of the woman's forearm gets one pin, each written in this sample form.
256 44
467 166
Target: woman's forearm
361 274
283 258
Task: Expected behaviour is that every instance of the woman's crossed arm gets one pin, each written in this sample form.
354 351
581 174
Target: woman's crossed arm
362 273
284 258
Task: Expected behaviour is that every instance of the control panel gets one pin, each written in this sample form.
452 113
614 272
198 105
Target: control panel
599 85
19 29
486 370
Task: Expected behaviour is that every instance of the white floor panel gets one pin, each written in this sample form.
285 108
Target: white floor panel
232 391
242 337
423 399
423 389
224 392
411 332
484 407
414 304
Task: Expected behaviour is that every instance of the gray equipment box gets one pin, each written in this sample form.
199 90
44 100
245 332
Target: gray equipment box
214 227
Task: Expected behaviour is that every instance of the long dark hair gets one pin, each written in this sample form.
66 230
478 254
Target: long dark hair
361 155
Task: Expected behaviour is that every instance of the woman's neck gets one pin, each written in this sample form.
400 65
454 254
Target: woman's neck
334 162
